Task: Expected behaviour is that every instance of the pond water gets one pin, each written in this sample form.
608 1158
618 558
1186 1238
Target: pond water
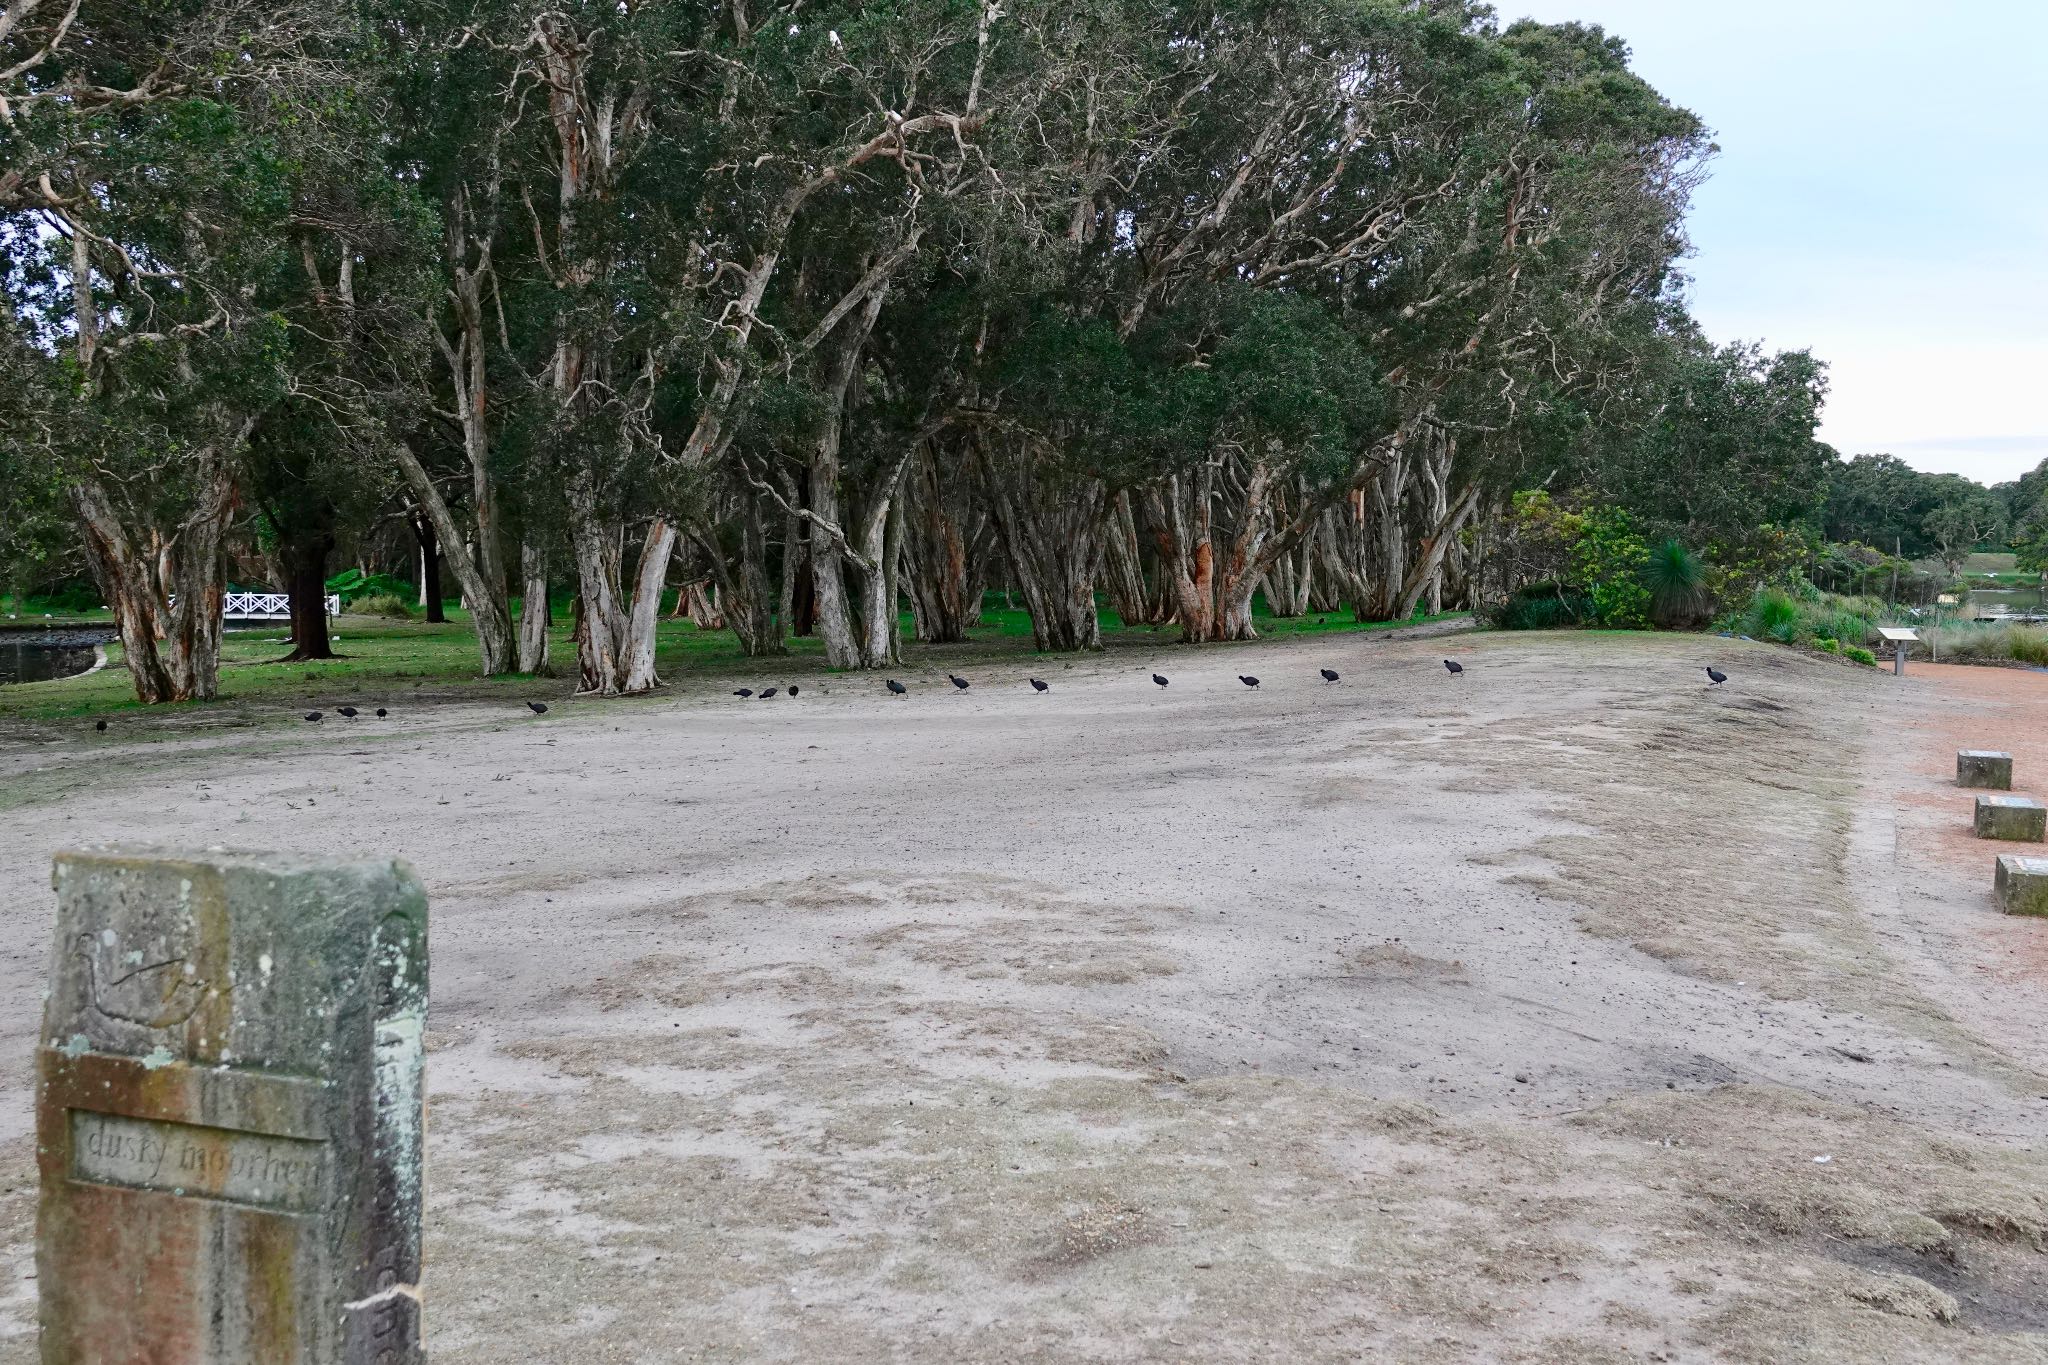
38 655
34 656
2015 601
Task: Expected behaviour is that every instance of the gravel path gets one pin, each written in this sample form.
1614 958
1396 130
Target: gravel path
1564 1011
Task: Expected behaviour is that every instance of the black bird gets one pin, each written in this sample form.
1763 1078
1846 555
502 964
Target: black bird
539 708
1037 686
898 688
348 711
792 689
1456 668
1329 674
1248 680
743 692
1717 675
381 713
1161 681
312 715
957 681
766 693
100 726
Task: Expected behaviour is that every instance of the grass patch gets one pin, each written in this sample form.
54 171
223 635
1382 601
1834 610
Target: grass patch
388 662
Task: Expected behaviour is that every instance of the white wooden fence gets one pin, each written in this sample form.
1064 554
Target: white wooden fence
265 606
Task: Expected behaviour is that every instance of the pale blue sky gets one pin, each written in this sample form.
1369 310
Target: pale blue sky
1881 196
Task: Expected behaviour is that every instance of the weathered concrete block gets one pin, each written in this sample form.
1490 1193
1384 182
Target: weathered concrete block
2022 884
228 1111
1984 768
2011 817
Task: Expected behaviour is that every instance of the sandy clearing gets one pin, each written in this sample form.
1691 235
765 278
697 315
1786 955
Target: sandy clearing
1407 1018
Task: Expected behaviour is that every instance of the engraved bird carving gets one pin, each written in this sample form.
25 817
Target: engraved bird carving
135 995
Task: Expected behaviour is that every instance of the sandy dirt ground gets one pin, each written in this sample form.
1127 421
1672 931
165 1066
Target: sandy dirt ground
1569 1011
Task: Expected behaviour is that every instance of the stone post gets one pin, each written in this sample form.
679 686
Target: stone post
1984 768
228 1111
2021 884
2011 817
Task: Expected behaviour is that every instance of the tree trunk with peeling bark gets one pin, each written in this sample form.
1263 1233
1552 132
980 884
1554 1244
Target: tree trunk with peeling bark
534 615
1428 569
1123 569
166 589
488 610
1051 529
945 552
305 559
431 590
736 547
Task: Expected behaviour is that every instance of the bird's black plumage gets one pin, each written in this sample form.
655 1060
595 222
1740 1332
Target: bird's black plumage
898 688
1717 675
1454 667
312 715
348 711
1037 686
539 708
1329 674
792 689
1161 681
381 713
743 692
957 681
766 693
100 726
1248 680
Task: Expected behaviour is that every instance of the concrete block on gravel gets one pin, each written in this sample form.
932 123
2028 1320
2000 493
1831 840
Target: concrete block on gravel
2020 818
2021 884
1984 768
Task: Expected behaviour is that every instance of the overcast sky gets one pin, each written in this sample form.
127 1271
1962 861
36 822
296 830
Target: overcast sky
1881 197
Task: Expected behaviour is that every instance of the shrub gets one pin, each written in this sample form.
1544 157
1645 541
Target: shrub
351 584
1543 606
1861 656
1609 558
1827 645
1847 626
1677 584
1775 616
2021 644
382 604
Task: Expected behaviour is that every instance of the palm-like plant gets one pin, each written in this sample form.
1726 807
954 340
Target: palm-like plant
1677 584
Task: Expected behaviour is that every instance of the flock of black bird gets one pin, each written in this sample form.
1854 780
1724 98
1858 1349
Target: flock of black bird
1715 677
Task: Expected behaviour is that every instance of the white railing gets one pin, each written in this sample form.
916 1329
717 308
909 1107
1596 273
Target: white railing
264 606
267 606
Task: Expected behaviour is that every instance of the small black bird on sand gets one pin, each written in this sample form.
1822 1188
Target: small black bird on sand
539 708
381 713
1248 680
766 693
312 715
743 692
1329 674
898 688
100 726
1717 675
1457 669
1161 681
348 711
792 689
957 681
1037 686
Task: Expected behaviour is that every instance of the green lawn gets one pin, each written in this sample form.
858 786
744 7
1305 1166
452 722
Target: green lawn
389 662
